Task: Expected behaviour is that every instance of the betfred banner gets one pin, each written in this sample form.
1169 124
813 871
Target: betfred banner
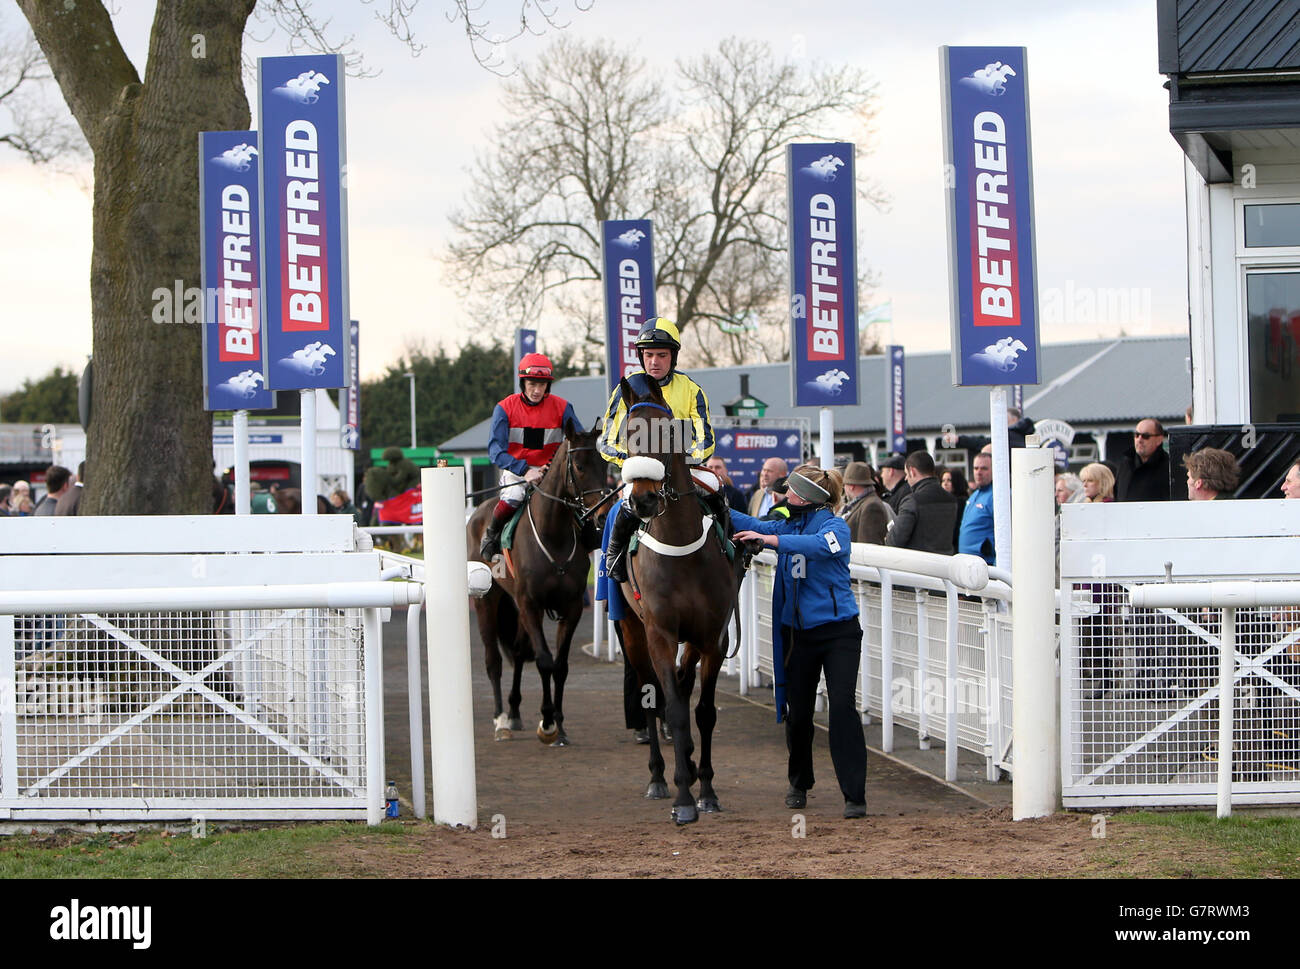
628 267
823 274
304 228
525 343
746 448
993 290
404 509
897 421
233 378
350 426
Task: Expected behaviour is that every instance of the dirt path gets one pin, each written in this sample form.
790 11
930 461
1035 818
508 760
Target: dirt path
578 811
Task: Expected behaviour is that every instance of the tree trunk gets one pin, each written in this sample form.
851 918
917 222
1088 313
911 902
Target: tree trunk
149 444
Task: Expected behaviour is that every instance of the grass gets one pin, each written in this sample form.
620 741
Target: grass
1199 845
282 851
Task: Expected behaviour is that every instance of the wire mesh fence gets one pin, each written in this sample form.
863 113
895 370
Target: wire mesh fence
917 689
1141 699
160 710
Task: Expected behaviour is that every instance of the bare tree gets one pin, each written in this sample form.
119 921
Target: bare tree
150 440
593 135
34 125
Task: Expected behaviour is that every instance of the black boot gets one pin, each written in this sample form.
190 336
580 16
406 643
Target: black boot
616 551
491 543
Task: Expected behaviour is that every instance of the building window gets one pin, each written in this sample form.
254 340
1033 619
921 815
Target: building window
1273 335
1271 226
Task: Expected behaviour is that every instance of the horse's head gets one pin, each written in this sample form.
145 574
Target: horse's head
656 443
584 473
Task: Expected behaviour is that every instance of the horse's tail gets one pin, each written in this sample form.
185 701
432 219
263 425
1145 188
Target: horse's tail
507 622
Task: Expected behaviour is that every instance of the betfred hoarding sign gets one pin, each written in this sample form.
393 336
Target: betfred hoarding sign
233 377
304 229
744 449
823 274
993 289
628 265
897 414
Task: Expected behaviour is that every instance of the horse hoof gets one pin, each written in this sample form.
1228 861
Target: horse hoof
708 805
561 741
685 813
665 734
547 736
656 790
516 723
501 733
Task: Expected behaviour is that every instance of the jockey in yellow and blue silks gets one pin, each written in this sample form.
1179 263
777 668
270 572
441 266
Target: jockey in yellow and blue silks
657 347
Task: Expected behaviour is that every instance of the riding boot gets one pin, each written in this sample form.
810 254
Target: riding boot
616 551
717 503
491 543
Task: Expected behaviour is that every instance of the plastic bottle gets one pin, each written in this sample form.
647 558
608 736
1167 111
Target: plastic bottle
391 807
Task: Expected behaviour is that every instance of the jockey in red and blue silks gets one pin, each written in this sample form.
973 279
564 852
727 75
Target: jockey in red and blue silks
527 429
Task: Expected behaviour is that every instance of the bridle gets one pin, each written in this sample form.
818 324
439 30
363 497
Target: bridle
575 498
575 501
664 492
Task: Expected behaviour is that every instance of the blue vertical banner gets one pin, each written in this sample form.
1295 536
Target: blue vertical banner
897 422
350 425
628 270
304 228
993 289
233 377
525 343
823 274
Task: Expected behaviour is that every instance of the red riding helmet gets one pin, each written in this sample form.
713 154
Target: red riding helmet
535 366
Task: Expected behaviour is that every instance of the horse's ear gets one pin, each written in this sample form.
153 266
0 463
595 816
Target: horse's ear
568 429
625 389
656 393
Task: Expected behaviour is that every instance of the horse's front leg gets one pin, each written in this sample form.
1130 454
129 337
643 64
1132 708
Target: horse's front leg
563 639
706 717
663 652
486 611
530 617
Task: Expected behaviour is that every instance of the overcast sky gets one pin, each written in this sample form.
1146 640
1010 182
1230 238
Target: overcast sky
1108 176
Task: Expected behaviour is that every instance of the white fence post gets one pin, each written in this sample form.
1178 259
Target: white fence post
373 633
886 659
950 687
415 709
451 710
1034 722
1227 697
8 711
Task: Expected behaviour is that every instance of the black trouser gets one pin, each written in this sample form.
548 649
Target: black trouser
633 712
835 647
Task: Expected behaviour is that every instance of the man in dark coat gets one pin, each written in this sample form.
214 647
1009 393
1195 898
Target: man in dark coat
867 514
928 514
1142 474
894 478
1018 427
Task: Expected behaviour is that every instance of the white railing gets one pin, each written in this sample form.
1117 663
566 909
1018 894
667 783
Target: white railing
173 667
936 629
1161 607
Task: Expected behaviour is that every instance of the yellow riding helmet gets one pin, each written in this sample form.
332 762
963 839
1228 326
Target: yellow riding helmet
658 333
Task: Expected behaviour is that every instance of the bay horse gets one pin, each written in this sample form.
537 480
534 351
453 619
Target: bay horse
552 541
681 588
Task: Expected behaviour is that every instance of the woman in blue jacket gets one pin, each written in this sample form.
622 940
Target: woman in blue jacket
814 628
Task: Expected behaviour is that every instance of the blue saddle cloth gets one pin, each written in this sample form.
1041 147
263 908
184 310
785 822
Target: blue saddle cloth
606 591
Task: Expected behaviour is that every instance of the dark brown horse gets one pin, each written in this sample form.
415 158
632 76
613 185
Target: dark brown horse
550 551
681 588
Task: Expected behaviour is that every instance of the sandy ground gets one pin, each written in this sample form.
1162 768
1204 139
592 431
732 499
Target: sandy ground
579 811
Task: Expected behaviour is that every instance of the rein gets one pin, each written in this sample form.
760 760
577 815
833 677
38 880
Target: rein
573 501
